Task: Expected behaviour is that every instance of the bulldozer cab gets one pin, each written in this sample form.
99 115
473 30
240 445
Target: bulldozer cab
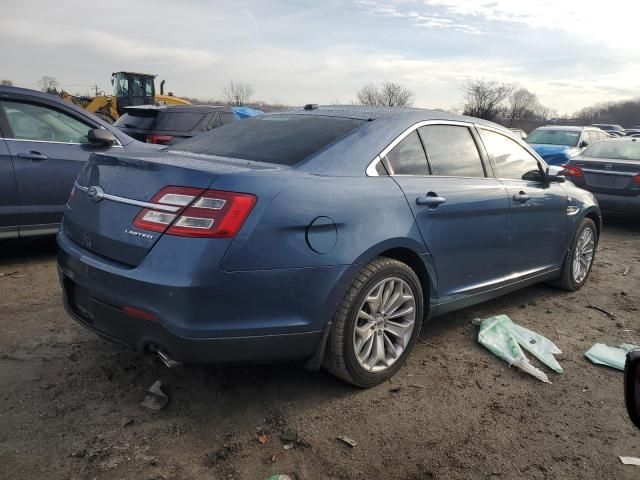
132 89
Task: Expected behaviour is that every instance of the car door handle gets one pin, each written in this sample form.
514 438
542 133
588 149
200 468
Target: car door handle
521 197
33 155
431 200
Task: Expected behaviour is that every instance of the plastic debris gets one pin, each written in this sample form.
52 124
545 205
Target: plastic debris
630 460
352 443
506 340
156 399
288 446
614 357
280 476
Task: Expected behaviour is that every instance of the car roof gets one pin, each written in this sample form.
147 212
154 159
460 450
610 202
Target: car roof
368 113
381 126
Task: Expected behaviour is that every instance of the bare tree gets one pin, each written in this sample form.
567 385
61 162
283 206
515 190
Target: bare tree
368 95
389 94
6 83
485 98
520 104
48 84
237 93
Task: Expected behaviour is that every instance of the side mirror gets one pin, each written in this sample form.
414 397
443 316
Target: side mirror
101 137
584 144
554 174
632 386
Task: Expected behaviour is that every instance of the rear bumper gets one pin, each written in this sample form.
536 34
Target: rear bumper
141 335
202 316
618 203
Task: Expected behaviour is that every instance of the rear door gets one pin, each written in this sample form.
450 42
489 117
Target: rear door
537 214
9 204
460 209
48 146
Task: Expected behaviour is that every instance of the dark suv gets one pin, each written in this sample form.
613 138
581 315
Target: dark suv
165 125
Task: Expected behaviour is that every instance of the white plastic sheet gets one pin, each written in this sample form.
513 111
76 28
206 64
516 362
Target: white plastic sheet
614 357
506 340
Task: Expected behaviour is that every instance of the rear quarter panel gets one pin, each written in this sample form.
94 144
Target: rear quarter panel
369 213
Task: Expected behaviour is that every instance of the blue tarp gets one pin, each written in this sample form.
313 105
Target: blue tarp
245 112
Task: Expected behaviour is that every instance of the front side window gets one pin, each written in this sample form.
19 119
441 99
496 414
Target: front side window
408 157
512 161
452 151
38 122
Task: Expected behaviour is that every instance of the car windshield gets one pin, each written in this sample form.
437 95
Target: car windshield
554 137
282 139
616 150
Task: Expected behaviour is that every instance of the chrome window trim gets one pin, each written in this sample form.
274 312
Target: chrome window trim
371 168
119 145
131 201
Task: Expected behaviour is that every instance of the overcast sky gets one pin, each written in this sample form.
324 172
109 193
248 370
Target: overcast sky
572 53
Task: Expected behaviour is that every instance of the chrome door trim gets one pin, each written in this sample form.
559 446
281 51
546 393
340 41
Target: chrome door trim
40 229
131 201
119 145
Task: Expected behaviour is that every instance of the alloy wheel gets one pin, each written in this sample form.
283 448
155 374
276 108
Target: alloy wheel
583 255
385 323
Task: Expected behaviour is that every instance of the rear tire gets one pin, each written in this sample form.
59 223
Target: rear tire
381 314
580 258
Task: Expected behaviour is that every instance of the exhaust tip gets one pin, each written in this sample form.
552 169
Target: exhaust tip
167 360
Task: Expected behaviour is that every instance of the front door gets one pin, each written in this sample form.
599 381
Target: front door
461 212
537 214
48 148
9 204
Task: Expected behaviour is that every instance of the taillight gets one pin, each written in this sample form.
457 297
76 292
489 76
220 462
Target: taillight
198 213
636 179
571 171
159 139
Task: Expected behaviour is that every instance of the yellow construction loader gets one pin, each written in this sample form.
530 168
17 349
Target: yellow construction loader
129 89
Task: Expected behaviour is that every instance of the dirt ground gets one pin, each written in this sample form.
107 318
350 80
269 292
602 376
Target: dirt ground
70 402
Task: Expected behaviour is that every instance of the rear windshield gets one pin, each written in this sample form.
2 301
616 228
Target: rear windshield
615 150
282 139
161 120
554 137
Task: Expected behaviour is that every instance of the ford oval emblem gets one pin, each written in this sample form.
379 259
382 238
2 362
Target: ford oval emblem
95 193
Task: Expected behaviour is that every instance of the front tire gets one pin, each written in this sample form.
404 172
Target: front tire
579 261
377 323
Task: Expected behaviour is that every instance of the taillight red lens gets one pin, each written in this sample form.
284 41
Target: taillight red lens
159 220
197 212
636 179
571 171
159 139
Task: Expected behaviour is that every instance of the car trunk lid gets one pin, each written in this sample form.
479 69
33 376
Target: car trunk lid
113 189
609 176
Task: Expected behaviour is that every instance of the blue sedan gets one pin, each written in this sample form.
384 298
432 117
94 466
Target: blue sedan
44 142
324 234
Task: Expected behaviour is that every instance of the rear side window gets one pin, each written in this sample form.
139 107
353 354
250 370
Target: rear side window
407 157
282 139
512 161
160 120
451 151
